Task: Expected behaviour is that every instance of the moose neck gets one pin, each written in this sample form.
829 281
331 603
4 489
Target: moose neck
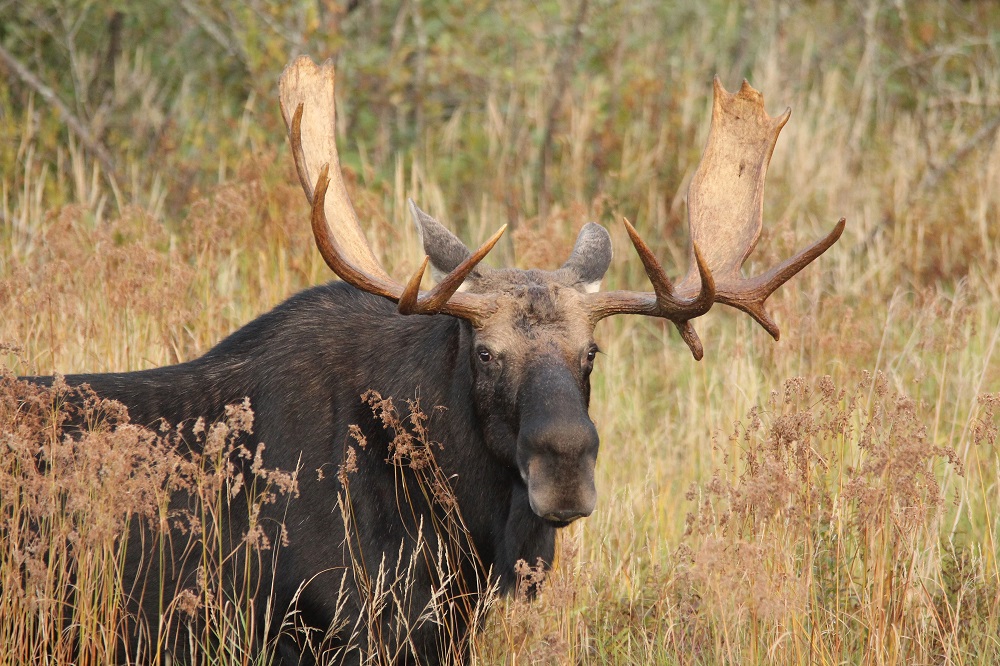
489 488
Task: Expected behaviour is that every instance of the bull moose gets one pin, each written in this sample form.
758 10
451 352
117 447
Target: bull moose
507 354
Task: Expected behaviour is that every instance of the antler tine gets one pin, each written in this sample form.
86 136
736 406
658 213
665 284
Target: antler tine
309 90
408 301
330 250
473 307
434 300
662 286
749 295
664 301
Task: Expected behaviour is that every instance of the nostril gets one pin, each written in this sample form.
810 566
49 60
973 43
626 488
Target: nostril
564 517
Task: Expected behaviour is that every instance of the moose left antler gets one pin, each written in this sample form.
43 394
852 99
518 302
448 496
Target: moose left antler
725 215
308 107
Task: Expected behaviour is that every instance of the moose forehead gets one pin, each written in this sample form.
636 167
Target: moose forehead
535 307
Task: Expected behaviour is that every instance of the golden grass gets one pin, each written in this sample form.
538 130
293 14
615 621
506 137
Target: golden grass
831 498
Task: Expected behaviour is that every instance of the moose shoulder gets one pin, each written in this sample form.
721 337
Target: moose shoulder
507 353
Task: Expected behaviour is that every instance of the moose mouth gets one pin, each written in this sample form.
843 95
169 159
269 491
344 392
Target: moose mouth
559 523
559 518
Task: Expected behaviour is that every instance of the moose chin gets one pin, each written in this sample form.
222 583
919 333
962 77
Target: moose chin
507 354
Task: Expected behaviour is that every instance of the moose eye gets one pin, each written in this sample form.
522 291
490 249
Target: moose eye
592 354
484 354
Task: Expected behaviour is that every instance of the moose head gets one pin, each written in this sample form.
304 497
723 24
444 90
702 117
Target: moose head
532 331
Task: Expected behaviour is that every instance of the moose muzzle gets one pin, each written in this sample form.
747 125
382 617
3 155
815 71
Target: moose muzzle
557 446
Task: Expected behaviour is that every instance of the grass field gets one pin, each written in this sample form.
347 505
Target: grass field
828 499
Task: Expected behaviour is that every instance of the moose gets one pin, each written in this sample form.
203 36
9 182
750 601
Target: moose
507 354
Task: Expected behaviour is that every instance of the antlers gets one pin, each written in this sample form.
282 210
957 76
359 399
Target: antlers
725 211
308 106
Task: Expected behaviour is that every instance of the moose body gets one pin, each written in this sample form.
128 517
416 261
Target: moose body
304 367
506 353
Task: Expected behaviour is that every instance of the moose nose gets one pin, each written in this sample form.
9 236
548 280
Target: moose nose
557 445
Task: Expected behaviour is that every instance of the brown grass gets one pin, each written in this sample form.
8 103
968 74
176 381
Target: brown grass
827 499
78 480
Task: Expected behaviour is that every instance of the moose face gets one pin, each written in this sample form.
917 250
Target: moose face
531 360
531 364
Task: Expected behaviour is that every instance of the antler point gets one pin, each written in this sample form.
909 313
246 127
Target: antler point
408 300
769 324
690 337
490 243
494 239
322 180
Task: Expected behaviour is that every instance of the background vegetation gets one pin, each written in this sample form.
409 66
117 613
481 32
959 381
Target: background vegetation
831 498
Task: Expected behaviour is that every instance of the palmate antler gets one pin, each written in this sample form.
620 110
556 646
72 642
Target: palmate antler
725 214
308 106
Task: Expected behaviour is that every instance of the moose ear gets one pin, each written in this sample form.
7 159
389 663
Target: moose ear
446 252
591 256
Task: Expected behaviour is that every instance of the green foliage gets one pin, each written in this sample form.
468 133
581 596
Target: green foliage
544 115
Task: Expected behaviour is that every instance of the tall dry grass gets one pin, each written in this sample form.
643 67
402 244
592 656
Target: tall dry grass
831 498
81 486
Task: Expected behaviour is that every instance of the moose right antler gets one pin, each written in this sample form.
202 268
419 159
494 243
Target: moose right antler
725 215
